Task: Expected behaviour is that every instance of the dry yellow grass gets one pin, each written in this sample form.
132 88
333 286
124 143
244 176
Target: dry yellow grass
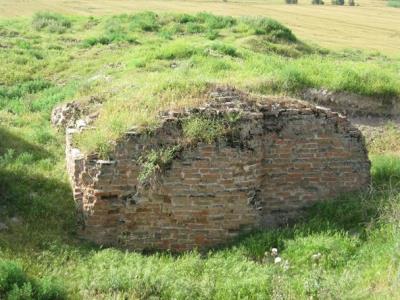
370 26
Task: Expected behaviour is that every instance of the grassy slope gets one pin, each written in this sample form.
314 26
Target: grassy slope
141 64
357 237
372 25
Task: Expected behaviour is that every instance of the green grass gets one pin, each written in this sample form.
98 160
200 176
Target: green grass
203 129
388 142
51 22
40 254
16 284
394 3
141 64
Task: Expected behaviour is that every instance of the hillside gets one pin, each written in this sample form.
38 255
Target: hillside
126 69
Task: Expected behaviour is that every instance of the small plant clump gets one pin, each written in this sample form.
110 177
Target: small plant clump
22 89
156 160
317 2
16 284
146 21
51 22
204 129
225 49
107 39
291 1
273 29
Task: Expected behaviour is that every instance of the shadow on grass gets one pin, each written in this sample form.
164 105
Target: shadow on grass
42 203
38 210
37 198
19 146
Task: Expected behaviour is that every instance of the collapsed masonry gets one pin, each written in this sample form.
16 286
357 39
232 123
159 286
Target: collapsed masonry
274 158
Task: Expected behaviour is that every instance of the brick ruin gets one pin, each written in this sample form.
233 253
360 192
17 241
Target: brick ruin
278 157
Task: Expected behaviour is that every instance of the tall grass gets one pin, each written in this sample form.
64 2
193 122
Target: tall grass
126 59
51 22
16 284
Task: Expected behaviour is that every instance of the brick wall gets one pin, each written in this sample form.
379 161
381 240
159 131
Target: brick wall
281 157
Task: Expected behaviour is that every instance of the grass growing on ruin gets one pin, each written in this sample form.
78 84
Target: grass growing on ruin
156 160
203 129
147 63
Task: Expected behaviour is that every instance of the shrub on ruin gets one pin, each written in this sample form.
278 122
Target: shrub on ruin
203 129
156 160
352 3
337 2
291 1
317 2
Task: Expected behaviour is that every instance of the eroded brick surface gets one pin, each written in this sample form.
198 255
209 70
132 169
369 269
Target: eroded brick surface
280 158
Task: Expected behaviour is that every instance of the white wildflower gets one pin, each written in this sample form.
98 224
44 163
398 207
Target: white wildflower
316 257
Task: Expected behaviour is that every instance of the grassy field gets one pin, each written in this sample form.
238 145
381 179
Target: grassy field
372 25
144 63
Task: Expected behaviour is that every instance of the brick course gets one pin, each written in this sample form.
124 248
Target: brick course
281 157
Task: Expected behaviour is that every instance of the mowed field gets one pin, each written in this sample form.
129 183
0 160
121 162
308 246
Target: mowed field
370 26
